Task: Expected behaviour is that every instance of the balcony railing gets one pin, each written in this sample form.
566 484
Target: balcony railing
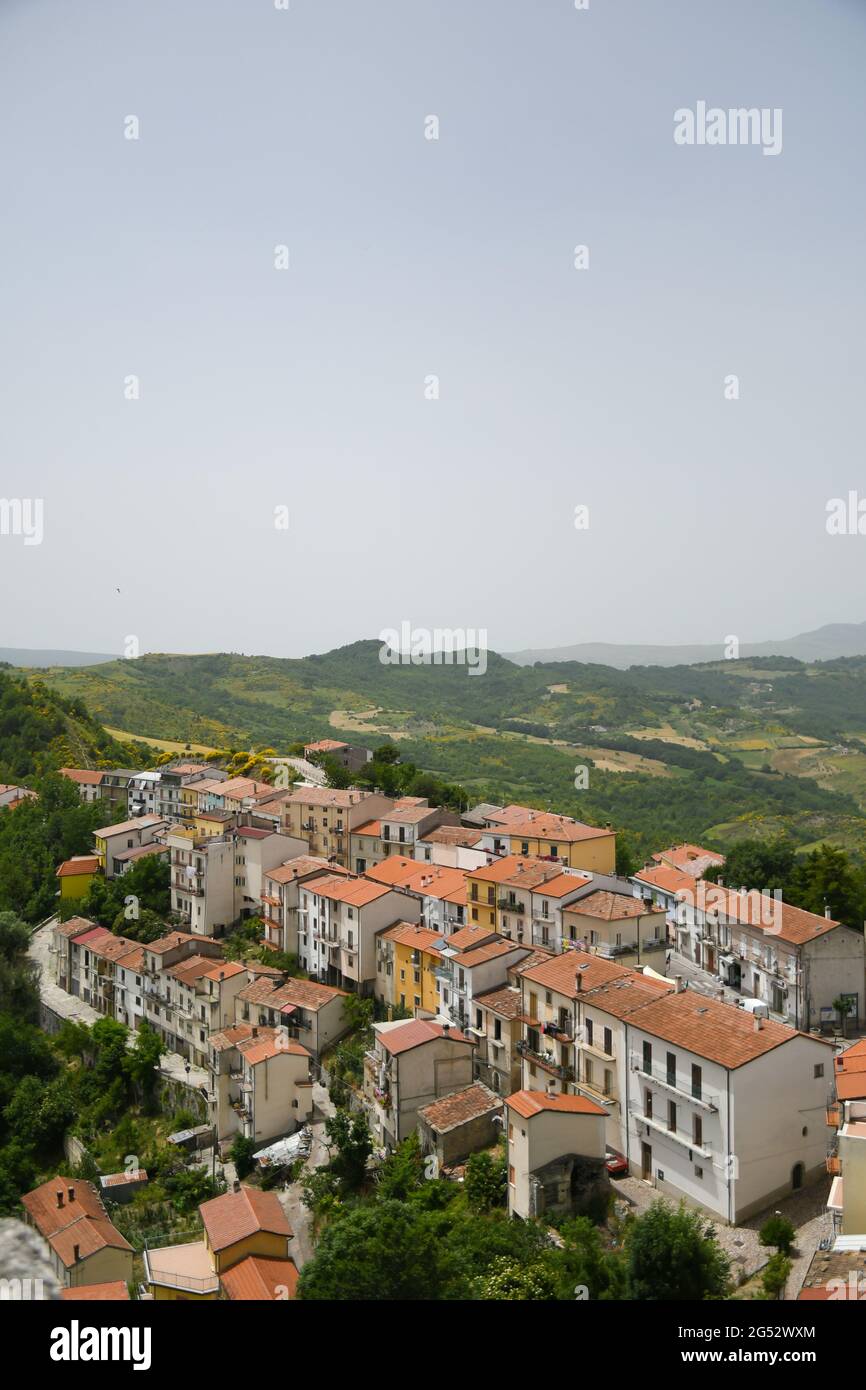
548 1061
660 1076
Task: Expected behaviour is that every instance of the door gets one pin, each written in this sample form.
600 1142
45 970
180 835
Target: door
646 1161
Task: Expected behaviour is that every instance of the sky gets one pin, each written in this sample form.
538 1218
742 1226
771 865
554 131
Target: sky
400 425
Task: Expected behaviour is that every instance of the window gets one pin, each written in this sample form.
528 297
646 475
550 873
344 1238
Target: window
478 1019
698 1131
671 1068
819 1070
587 1071
672 1116
696 1081
648 1058
497 1029
699 1172
511 1174
608 1081
589 1031
608 1042
648 1104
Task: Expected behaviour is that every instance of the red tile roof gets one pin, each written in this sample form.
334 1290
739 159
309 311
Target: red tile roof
257 1278
460 1107
415 1033
529 1103
238 1215
113 1292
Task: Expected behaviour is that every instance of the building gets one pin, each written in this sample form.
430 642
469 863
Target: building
261 1083
85 1247
174 778
555 1151
75 877
468 968
618 926
497 1032
238 1226
311 1013
88 782
344 754
690 859
281 898
440 891
796 962
523 898
460 1124
111 840
143 795
324 817
115 1291
410 1065
407 956
452 846
114 789
544 835
339 919
218 879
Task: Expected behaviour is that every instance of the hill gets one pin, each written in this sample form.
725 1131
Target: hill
672 752
823 644
27 656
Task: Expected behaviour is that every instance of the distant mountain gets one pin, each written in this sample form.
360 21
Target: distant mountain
36 656
824 644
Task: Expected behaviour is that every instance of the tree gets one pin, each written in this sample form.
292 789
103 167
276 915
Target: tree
378 1251
241 1154
351 1138
486 1181
844 1005
142 1060
403 1170
509 1280
775 1275
779 1231
764 865
583 1263
672 1257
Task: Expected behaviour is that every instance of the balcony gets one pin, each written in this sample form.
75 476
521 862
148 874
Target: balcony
547 1061
508 905
707 1100
676 1136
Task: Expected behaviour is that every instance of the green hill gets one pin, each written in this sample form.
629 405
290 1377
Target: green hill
672 751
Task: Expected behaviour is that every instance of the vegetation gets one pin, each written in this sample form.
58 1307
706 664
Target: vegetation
778 1231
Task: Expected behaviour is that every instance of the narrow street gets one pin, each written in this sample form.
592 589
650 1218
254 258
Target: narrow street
300 1219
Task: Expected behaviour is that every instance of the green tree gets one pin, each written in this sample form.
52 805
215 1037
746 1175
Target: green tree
506 1279
241 1154
765 865
672 1257
349 1135
142 1060
378 1251
777 1230
775 1274
486 1181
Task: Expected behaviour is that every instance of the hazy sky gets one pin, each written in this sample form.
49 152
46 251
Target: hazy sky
410 257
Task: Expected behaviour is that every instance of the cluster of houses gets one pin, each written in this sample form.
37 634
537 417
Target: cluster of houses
657 1024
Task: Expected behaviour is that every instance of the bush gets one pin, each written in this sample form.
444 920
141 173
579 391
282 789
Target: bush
775 1275
778 1231
241 1155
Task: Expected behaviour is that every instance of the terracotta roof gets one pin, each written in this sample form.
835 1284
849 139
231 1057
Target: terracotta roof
851 1085
607 907
82 775
133 960
722 1033
529 1103
428 880
690 859
257 1278
560 972
327 796
467 937
502 1001
461 1107
130 855
416 1032
372 828
779 919
79 864
190 969
666 880
42 1206
621 997
223 970
238 1215
489 951
545 825
418 938
452 835
525 871
539 955
125 827
113 1292
302 866
355 891
73 925
324 745
171 942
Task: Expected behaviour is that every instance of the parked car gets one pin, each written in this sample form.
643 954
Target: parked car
615 1163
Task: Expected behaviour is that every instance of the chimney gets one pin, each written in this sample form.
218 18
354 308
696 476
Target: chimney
680 983
71 1194
578 982
758 1024
60 1198
827 913
551 1088
76 1254
446 1029
608 825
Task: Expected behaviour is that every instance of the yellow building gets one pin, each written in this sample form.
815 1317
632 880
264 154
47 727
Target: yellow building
406 958
541 834
76 876
236 1225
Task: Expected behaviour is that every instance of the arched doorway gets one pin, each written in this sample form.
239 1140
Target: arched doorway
798 1173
